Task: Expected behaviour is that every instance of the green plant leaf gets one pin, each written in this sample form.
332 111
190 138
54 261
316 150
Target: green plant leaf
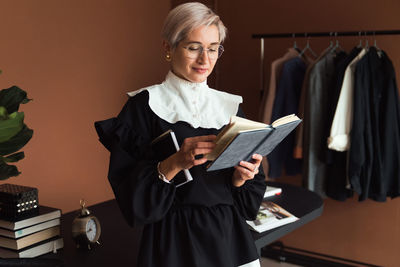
14 134
7 171
13 157
12 97
16 142
11 126
3 113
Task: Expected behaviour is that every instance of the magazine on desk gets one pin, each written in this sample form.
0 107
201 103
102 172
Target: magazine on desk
270 216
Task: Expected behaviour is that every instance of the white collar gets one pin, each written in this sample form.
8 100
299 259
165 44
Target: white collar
195 103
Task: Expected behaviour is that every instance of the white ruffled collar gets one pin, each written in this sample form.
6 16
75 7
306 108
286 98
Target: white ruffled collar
195 103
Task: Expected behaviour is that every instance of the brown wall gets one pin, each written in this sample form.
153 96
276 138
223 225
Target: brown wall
365 231
76 59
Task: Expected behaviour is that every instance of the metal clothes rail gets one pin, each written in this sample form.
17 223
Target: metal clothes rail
308 35
325 34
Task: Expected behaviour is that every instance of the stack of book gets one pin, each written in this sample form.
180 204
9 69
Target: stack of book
31 236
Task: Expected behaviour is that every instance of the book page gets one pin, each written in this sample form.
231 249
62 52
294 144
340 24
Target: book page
284 120
246 124
236 125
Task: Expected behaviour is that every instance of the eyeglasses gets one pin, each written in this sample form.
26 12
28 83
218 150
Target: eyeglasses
194 51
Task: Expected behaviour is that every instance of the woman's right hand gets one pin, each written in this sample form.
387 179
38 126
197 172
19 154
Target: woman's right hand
185 158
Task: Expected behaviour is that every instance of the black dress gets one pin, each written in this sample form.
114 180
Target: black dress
201 223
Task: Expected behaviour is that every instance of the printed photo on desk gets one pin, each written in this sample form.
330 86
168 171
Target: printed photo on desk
270 216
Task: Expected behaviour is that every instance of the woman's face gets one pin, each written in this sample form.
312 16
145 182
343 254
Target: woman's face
186 60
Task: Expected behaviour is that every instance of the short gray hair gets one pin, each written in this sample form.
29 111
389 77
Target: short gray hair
185 18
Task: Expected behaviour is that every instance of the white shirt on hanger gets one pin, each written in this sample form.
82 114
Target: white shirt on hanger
339 138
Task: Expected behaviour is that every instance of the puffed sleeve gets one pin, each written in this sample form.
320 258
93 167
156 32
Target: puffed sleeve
248 197
140 194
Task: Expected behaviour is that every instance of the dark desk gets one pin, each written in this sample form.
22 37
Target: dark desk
120 243
302 203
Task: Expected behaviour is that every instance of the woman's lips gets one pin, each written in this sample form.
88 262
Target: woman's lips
200 70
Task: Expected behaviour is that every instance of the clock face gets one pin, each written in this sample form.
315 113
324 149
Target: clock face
91 230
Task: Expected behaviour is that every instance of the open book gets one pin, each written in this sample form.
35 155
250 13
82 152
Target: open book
164 146
242 138
269 216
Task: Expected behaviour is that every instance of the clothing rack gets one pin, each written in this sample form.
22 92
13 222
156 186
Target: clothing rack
277 250
326 34
308 35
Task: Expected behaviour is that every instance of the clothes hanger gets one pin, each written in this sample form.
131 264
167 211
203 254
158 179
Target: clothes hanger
307 47
330 41
360 44
295 43
366 42
378 50
337 47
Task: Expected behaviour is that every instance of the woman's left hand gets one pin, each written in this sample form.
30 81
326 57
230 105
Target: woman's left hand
246 170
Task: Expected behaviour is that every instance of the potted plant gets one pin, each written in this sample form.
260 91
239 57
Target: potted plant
14 134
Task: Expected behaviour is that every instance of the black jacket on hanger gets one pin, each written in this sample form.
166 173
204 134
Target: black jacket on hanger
287 102
374 156
320 86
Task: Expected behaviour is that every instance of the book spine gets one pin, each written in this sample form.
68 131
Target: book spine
175 141
186 172
249 156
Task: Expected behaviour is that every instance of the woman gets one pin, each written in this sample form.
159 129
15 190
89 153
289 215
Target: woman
201 223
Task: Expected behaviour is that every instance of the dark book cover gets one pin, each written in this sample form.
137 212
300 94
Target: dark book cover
44 214
164 146
280 132
247 143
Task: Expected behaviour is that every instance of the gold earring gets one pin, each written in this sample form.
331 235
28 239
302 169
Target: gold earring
168 57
